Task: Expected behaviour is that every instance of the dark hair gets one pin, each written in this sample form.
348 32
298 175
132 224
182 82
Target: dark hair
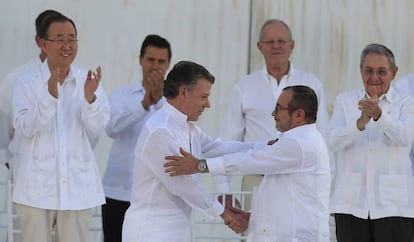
304 98
378 49
39 23
45 24
157 41
185 73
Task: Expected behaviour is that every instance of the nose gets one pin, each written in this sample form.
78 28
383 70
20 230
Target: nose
207 105
375 74
66 45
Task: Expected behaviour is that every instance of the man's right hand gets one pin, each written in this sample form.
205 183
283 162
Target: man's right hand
53 82
154 85
157 80
177 165
245 215
234 221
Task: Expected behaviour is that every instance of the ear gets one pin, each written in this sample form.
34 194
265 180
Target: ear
38 41
182 91
42 44
394 71
259 45
140 60
300 114
292 44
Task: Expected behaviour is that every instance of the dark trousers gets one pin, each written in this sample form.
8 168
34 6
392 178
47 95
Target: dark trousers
391 229
112 218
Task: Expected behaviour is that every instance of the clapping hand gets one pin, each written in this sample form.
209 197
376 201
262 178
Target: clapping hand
92 83
369 109
156 78
153 84
370 106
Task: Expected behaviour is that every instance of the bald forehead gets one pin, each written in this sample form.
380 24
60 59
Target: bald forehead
275 27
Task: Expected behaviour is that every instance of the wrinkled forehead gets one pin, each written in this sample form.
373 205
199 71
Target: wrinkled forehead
277 30
376 60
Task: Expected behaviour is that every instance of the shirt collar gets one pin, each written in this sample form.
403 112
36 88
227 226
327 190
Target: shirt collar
297 131
270 77
137 88
389 95
177 114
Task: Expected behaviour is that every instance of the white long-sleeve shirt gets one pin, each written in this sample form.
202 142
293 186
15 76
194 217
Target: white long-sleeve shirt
373 169
6 90
127 119
54 166
248 116
160 204
406 85
249 112
292 201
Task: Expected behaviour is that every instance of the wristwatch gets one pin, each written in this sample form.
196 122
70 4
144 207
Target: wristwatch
202 165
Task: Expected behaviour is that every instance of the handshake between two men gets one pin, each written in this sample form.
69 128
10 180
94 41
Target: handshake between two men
235 218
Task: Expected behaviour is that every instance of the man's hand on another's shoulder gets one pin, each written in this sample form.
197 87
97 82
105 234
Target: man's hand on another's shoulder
181 165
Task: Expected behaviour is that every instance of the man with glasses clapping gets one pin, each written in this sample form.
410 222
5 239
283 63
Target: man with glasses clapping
59 111
370 133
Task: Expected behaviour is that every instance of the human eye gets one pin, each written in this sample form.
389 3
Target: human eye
382 72
151 60
281 41
368 71
269 42
60 41
277 107
205 97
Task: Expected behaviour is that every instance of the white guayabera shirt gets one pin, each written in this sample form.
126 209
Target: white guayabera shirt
406 85
54 165
292 201
373 168
6 91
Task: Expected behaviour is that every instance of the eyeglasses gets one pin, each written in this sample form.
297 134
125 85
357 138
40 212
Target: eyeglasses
280 42
380 72
62 42
279 108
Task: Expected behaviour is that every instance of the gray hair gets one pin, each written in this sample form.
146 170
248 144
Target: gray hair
275 21
378 49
